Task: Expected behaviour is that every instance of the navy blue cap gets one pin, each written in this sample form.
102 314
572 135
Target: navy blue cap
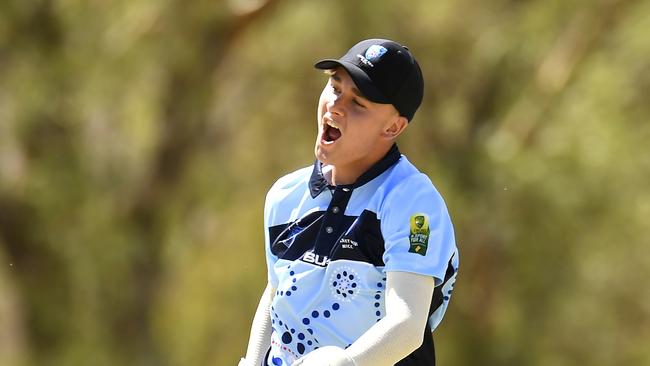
385 72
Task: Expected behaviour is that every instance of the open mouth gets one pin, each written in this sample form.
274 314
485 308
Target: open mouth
331 134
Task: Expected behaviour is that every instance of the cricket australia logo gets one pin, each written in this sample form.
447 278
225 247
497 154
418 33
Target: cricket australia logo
373 54
419 236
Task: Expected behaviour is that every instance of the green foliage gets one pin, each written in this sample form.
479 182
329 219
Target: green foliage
138 139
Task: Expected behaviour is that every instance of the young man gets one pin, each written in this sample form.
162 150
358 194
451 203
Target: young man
360 248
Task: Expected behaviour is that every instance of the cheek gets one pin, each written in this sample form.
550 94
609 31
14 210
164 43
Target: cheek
322 102
366 121
370 129
363 127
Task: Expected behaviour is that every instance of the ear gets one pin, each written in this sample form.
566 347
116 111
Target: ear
395 127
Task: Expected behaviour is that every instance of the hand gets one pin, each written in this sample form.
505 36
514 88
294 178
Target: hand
325 356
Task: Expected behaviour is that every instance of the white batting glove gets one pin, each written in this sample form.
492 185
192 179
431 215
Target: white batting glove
325 356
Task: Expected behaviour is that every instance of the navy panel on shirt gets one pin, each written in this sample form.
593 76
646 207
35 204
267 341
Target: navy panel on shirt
356 238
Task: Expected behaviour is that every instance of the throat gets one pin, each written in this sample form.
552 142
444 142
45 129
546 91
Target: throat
343 176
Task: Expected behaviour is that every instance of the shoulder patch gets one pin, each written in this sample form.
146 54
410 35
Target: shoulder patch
419 236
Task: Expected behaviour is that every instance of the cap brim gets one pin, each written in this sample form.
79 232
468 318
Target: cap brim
360 78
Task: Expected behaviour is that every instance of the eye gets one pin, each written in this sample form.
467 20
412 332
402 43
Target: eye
356 101
334 88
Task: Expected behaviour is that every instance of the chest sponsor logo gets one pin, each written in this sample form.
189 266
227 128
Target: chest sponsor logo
419 236
317 259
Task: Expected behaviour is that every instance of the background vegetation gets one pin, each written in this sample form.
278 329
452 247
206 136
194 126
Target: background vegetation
138 139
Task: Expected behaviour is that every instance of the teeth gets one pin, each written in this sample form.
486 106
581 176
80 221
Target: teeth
329 123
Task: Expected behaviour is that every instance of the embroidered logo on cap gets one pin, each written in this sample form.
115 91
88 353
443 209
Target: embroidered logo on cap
374 52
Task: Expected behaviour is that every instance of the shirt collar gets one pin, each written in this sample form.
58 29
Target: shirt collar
318 183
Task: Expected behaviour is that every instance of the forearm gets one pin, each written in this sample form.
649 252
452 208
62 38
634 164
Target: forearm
260 335
400 332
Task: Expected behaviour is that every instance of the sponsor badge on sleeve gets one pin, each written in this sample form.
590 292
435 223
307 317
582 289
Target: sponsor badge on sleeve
419 237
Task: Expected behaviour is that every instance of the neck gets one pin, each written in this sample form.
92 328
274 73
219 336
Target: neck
343 176
348 174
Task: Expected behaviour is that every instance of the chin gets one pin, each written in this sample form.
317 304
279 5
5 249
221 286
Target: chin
320 155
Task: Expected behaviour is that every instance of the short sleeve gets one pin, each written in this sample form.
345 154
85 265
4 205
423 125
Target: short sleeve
269 210
417 230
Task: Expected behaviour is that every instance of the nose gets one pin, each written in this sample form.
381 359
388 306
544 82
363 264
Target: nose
335 105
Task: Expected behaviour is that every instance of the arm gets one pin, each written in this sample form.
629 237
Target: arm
260 336
408 296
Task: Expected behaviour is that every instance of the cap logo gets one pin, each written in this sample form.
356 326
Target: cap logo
374 53
365 61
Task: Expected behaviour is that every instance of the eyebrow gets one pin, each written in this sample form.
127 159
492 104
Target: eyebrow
354 89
